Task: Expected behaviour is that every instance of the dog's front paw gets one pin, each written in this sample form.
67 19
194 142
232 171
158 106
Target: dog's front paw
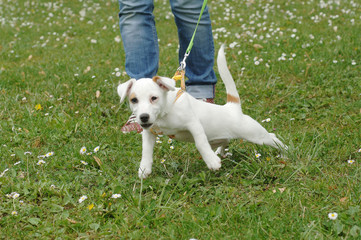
144 172
214 163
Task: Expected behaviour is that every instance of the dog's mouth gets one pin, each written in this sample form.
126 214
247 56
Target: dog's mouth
146 125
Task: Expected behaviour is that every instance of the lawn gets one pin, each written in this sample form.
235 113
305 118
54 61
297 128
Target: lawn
297 67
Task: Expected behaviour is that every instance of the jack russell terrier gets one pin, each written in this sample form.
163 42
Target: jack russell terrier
160 108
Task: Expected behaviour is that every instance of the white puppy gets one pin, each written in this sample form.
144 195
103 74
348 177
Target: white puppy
160 108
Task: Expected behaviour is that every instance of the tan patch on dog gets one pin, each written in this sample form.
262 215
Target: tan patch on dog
163 86
155 78
132 96
232 99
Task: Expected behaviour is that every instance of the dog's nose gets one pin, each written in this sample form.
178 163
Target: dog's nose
144 117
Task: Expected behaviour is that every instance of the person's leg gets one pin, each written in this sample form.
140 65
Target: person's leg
199 69
140 41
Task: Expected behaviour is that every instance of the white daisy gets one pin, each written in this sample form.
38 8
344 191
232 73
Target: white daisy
266 120
82 198
83 150
351 161
332 216
40 162
49 154
13 195
116 195
96 149
16 195
117 39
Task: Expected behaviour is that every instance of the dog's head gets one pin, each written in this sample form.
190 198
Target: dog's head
147 97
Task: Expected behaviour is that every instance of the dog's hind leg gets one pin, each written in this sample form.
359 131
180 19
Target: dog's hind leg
277 143
252 131
270 139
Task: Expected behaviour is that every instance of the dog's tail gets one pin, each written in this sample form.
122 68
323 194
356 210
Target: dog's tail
232 93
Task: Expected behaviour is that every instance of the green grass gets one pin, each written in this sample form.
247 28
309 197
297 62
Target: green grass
313 100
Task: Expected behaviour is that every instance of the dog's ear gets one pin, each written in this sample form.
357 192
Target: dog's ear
124 89
165 83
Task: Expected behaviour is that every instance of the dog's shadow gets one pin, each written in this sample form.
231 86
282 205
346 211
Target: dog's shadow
241 162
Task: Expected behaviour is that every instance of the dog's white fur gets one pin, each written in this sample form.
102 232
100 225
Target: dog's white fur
157 109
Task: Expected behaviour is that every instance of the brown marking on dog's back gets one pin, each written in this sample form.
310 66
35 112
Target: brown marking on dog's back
232 99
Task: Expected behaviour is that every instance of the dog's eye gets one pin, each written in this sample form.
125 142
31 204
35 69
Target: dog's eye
134 100
154 98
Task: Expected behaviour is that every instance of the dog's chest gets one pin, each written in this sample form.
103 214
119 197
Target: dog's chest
178 134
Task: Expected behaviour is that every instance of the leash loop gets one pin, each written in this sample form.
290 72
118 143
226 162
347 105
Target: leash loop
179 76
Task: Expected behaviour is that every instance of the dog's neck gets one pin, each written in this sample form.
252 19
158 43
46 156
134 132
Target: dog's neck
172 97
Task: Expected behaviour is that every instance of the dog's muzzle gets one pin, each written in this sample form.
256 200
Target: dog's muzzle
144 118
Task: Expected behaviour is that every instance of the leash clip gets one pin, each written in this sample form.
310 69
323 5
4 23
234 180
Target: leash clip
183 62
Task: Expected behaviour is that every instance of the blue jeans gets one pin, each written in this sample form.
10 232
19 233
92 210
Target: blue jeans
140 41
